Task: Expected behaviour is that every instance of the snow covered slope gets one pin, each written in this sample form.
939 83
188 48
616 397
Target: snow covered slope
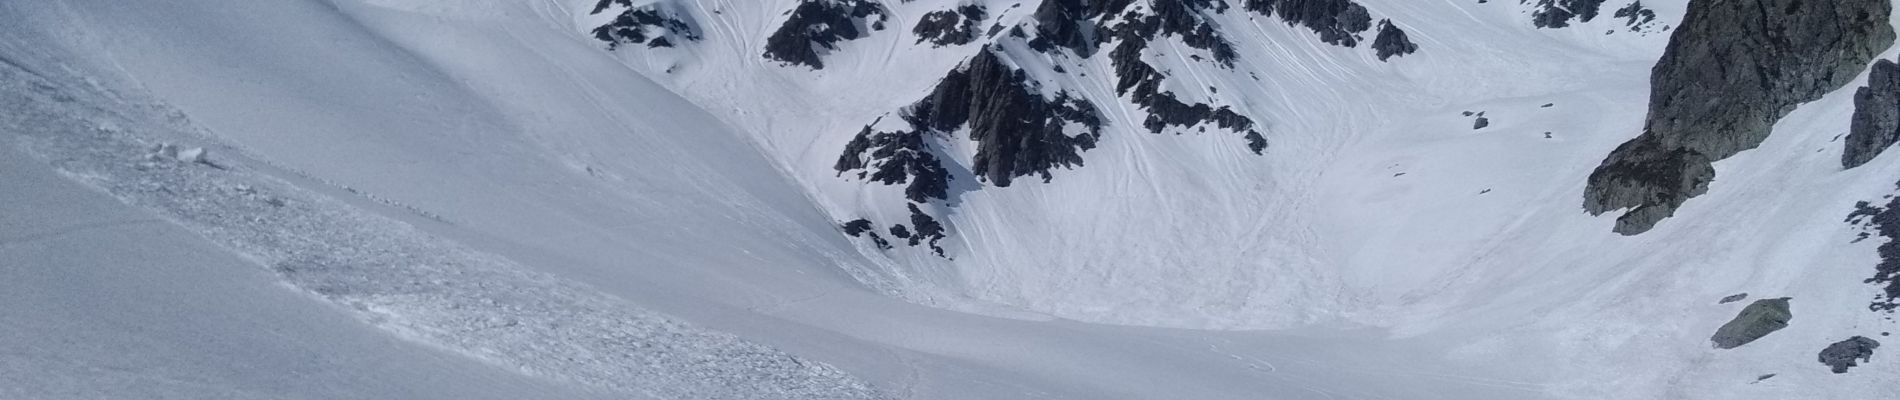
485 199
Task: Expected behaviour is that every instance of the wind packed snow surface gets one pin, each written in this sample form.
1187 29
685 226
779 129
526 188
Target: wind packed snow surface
636 199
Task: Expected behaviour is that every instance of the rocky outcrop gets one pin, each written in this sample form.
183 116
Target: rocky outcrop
927 230
1884 221
1636 16
1336 21
1731 70
655 25
950 27
1071 24
1142 83
1876 124
1392 41
894 158
1558 13
862 228
1848 353
1759 319
817 26
1017 130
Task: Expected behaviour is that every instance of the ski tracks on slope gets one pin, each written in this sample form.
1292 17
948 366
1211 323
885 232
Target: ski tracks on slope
396 277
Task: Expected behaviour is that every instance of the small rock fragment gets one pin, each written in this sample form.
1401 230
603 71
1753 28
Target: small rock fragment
1844 354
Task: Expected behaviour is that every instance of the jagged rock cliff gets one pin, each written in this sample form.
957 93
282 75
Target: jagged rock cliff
817 26
655 25
1876 123
950 27
1558 13
1336 21
1731 70
1018 131
1392 41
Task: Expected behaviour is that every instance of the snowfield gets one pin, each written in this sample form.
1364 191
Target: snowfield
477 199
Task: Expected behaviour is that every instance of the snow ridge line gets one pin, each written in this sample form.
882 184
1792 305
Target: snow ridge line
396 277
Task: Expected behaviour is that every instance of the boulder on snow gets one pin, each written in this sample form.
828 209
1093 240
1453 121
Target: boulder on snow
1846 353
1392 41
1759 319
1876 124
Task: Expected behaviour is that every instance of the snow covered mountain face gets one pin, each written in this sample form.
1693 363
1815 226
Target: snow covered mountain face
949 199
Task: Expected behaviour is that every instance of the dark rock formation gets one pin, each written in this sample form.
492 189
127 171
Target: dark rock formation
1558 13
1392 41
1480 123
1068 24
1731 70
862 227
1018 131
929 231
1636 16
649 24
1083 25
1847 353
1337 22
893 158
1886 222
949 28
856 227
1876 123
1164 109
819 25
1759 319
1733 298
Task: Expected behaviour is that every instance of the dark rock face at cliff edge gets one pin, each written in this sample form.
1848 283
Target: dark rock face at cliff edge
816 26
1731 70
1876 123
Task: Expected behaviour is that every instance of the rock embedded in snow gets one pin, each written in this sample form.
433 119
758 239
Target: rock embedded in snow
1848 353
1392 41
1733 298
1876 124
1558 13
818 25
1885 221
650 24
1759 319
1337 22
1017 131
1636 16
1730 71
950 27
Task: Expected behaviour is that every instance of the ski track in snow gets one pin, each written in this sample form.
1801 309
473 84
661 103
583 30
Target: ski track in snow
395 277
